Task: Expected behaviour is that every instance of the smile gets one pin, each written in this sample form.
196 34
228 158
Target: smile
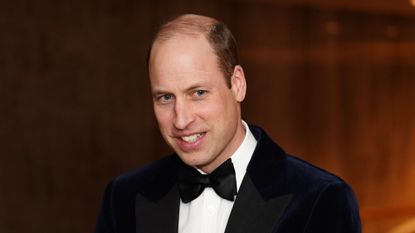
192 138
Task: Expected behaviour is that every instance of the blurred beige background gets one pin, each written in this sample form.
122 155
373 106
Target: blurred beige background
333 82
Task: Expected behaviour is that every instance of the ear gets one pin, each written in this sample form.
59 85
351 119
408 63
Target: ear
238 83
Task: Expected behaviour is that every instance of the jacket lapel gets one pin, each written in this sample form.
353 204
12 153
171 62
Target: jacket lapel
157 201
252 214
264 194
160 216
262 198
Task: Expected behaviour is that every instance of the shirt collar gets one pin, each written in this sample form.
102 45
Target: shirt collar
243 154
241 157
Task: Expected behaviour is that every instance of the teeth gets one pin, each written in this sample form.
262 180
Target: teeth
192 138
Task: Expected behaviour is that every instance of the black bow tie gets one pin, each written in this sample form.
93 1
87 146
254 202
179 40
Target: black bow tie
222 180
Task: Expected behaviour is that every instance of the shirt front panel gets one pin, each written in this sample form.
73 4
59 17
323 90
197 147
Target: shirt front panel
209 213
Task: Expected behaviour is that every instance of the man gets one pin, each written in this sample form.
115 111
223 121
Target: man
225 176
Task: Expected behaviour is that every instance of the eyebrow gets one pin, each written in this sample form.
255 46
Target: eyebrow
190 88
195 86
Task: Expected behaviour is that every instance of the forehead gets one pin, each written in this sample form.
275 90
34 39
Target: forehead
180 62
182 52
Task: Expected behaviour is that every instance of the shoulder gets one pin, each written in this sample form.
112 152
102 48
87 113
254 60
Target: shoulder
316 194
320 195
148 171
308 175
149 179
297 173
270 164
306 179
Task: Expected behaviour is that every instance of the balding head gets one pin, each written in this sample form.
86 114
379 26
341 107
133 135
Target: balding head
216 33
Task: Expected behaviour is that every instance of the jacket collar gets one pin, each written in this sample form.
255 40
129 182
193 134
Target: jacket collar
261 199
266 170
267 167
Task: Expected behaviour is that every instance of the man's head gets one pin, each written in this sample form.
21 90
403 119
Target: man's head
196 98
217 34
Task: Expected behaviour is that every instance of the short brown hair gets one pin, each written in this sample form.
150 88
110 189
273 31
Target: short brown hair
217 34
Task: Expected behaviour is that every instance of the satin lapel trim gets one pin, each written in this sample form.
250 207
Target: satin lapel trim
252 214
158 217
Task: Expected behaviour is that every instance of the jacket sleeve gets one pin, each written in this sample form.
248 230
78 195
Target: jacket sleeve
105 222
335 211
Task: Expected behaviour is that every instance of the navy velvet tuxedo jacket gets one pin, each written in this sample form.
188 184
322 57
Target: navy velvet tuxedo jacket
279 194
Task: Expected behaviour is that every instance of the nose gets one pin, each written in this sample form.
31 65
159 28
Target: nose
183 114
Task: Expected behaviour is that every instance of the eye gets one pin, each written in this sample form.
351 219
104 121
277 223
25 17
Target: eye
165 98
200 93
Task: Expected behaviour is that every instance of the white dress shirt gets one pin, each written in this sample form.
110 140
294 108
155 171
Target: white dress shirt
209 213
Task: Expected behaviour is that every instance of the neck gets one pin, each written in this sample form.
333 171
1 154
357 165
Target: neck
237 141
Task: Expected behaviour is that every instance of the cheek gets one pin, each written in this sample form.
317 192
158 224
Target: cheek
162 116
217 112
225 104
210 110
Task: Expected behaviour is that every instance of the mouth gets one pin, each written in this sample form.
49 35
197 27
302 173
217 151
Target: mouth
192 138
190 142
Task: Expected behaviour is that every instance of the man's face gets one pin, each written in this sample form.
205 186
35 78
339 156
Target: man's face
198 114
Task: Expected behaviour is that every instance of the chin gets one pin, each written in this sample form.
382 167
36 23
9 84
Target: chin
191 161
